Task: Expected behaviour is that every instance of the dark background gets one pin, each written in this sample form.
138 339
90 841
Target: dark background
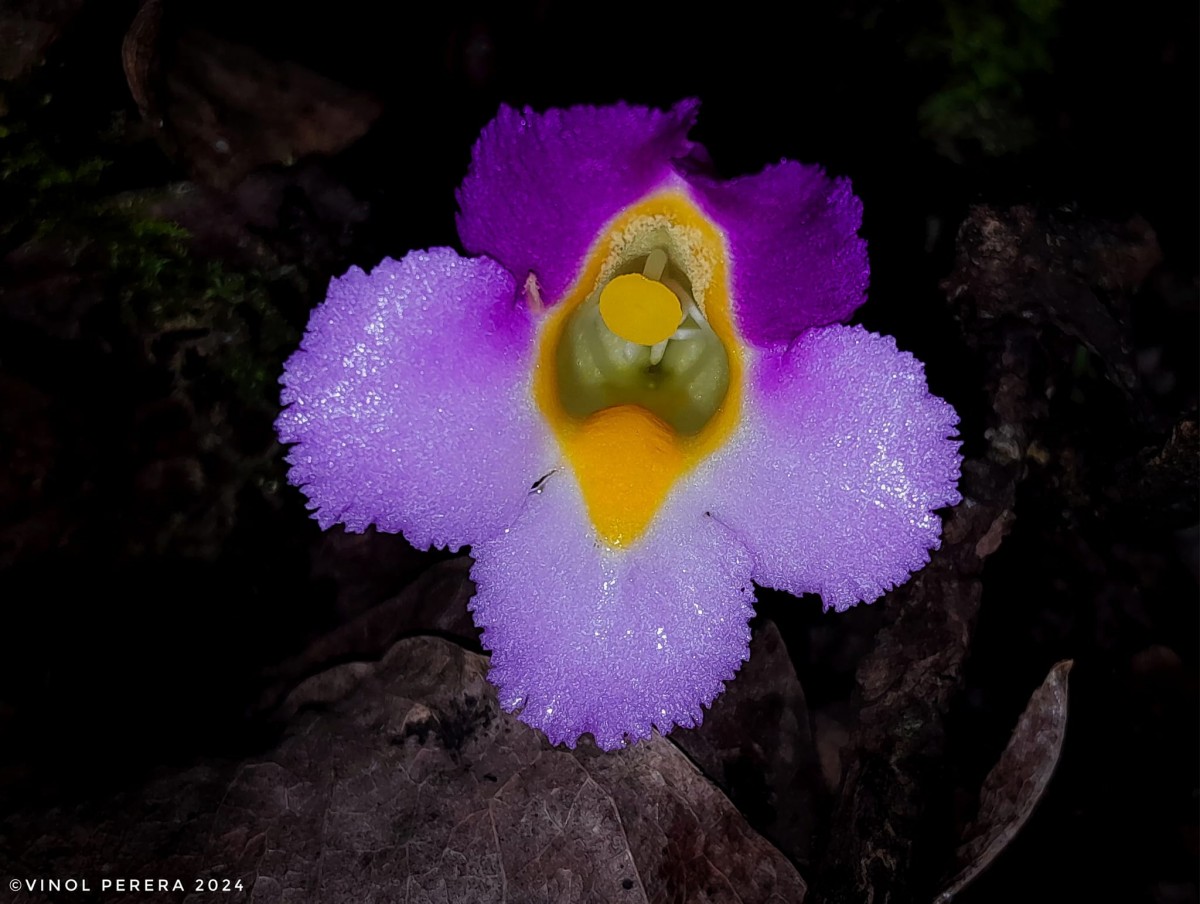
155 566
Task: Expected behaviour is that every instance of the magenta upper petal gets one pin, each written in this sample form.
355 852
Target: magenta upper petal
797 261
541 185
842 458
585 639
409 401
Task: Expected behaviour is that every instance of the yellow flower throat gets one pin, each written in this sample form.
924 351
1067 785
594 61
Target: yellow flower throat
639 369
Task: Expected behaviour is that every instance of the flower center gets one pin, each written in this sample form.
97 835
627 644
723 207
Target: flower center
640 368
639 308
642 340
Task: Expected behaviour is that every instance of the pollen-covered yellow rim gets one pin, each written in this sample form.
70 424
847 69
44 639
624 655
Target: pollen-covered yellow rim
626 459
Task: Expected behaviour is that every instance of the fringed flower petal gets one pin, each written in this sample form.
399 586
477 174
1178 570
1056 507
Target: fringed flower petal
585 639
834 477
793 237
541 185
409 401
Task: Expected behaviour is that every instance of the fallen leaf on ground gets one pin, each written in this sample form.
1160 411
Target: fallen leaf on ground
1017 782
27 29
757 745
417 788
224 109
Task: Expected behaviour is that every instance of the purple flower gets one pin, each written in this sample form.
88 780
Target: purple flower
634 402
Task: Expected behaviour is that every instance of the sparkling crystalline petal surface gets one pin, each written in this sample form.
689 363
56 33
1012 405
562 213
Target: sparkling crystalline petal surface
541 185
418 402
409 401
835 473
798 261
584 640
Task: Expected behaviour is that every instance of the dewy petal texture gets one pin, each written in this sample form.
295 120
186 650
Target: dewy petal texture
834 475
798 261
410 404
419 402
541 185
587 640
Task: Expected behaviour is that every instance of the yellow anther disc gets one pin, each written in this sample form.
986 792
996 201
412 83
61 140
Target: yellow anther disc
640 310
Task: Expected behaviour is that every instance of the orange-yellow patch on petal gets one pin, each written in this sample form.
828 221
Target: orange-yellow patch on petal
626 459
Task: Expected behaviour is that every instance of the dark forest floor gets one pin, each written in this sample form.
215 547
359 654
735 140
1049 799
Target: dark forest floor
178 185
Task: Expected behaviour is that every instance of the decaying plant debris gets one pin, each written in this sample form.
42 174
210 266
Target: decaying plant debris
308 714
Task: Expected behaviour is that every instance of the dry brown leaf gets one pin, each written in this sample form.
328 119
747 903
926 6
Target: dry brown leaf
435 601
224 109
756 744
27 29
418 788
139 53
1017 782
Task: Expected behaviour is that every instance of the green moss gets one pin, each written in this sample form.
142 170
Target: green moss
190 343
225 318
989 54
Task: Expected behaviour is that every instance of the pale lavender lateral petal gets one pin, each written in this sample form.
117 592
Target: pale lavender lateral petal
797 261
409 401
542 185
842 458
584 639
